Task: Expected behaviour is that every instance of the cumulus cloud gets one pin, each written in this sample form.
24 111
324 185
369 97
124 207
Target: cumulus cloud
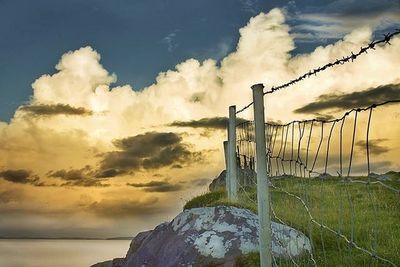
335 19
352 100
170 41
119 138
251 6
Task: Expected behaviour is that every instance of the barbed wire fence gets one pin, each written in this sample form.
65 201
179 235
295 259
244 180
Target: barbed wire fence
321 180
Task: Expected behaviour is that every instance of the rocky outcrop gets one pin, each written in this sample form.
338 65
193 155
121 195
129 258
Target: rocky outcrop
389 176
246 177
118 262
214 236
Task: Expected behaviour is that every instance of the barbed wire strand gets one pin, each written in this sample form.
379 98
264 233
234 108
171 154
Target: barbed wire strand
350 58
277 136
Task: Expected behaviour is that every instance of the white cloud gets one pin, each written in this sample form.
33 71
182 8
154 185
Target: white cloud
262 55
250 6
170 41
338 18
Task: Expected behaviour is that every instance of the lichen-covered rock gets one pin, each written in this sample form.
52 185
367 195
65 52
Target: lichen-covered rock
214 236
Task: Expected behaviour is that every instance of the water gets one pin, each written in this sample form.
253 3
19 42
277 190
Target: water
59 253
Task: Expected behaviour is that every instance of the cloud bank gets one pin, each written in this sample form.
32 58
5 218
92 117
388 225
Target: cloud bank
126 136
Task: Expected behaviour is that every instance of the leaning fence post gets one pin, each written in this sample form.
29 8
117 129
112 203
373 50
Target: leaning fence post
262 177
232 162
227 185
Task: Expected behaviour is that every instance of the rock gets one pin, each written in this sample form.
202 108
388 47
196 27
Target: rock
389 176
219 182
324 176
373 175
214 236
137 241
384 178
246 177
103 264
394 176
117 262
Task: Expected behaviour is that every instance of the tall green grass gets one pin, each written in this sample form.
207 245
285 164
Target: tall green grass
369 215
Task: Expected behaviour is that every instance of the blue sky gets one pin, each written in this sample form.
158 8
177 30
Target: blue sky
138 39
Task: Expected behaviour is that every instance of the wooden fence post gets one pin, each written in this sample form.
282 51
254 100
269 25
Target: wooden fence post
263 197
232 161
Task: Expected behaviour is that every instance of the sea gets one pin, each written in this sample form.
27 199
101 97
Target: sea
59 253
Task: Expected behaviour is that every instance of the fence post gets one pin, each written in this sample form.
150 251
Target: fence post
232 162
262 177
226 153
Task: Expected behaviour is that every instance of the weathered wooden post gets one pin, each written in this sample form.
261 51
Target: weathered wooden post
232 161
262 177
226 153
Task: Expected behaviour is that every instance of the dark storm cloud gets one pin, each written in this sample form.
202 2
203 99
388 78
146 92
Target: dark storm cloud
108 173
69 175
326 21
167 156
374 145
200 182
57 109
324 117
364 8
176 166
352 100
167 186
16 176
20 177
376 167
152 150
78 177
220 123
10 196
86 183
157 186
126 207
148 143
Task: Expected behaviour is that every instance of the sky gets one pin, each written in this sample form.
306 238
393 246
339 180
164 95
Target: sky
112 112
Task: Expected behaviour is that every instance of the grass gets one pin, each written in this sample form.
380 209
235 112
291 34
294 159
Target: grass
367 214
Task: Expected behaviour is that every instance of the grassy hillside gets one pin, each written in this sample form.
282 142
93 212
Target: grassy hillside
369 215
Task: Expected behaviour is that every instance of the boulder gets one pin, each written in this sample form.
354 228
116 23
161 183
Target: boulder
246 177
137 241
117 262
103 264
212 236
388 176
